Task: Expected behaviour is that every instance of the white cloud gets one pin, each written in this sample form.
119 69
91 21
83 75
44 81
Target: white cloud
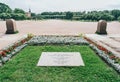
62 5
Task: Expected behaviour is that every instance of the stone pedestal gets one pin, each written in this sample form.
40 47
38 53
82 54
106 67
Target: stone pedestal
101 28
11 26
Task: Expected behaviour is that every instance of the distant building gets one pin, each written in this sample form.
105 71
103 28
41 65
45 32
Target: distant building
28 14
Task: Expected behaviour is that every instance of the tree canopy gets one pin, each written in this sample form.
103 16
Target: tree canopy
108 15
6 13
5 8
18 14
17 10
69 15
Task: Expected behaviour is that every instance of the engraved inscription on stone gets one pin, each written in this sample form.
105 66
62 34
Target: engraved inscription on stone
60 59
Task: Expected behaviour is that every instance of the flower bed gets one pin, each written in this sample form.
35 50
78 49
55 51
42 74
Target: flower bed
9 51
109 59
105 54
38 40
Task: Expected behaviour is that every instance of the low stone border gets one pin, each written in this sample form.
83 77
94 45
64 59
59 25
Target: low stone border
106 57
15 51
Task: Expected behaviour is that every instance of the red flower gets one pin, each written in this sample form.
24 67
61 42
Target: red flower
3 53
112 57
102 48
6 51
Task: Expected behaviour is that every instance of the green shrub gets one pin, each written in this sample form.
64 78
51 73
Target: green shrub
119 18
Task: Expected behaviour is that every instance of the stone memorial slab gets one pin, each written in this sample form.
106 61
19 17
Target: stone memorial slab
60 59
101 27
11 26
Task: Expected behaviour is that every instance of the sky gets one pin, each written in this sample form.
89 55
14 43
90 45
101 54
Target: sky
38 6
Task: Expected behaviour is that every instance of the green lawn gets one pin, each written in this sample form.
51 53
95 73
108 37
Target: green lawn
22 67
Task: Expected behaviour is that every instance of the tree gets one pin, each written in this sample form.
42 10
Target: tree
33 16
5 8
119 18
18 16
5 16
115 13
69 15
17 10
39 16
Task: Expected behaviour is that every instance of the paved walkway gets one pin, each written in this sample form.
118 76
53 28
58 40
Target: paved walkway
110 42
60 27
6 40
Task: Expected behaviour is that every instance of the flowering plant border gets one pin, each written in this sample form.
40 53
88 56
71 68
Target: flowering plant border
9 51
105 54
